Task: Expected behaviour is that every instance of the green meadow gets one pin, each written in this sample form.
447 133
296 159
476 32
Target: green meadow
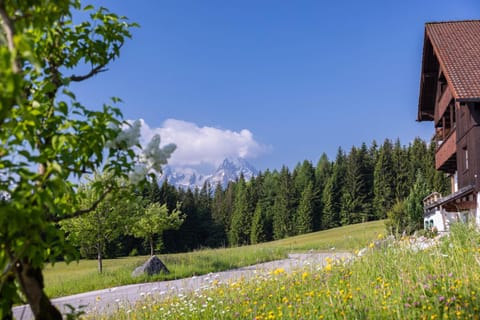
65 279
396 282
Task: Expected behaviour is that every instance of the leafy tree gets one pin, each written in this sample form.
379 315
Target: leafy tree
153 221
93 231
48 137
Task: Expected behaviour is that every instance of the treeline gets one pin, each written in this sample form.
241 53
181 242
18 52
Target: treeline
360 185
357 186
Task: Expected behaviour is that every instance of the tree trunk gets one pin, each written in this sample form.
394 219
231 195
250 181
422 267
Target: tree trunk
100 261
31 281
7 286
151 246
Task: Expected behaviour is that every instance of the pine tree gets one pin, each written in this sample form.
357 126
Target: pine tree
304 216
240 226
267 200
323 170
420 160
220 222
353 198
383 188
258 232
188 236
401 171
332 193
414 204
282 215
168 196
302 175
366 169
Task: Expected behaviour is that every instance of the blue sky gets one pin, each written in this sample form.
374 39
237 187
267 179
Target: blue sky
274 81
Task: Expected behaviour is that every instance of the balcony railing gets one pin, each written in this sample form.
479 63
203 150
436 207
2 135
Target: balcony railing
444 157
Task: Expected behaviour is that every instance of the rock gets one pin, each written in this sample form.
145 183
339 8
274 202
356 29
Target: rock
153 266
362 252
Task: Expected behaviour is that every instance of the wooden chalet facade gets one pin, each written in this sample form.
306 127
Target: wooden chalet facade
450 98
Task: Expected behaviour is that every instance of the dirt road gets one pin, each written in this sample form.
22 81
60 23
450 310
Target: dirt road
107 300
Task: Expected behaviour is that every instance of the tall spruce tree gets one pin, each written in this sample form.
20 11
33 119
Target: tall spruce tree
367 169
383 189
332 193
258 232
282 207
323 170
240 226
419 159
414 203
167 194
353 197
304 214
401 171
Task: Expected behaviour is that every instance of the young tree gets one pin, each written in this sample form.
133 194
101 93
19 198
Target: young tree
153 221
48 137
93 231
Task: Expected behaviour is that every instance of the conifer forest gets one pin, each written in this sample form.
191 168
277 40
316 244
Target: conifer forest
365 183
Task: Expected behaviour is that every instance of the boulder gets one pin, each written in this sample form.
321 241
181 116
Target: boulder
152 266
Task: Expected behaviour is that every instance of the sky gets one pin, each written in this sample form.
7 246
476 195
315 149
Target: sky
273 81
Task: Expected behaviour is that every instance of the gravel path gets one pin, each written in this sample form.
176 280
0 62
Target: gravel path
107 300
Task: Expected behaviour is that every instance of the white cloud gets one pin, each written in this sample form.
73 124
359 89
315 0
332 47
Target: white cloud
198 146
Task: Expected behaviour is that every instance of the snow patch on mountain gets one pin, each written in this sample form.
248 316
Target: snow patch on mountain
229 170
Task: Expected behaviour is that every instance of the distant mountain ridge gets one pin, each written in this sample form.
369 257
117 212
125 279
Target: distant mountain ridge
229 170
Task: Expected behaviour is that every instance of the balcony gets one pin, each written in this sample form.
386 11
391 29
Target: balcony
443 103
446 155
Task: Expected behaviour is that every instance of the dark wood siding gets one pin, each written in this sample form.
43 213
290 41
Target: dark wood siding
468 141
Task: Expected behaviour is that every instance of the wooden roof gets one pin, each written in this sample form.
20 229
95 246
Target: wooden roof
455 47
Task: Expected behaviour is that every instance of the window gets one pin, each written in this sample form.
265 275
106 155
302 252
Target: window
465 151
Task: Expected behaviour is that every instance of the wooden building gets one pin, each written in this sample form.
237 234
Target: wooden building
450 98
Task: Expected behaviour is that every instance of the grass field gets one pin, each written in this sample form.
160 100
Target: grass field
395 282
62 279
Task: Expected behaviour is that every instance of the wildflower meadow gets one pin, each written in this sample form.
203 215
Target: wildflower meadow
394 282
